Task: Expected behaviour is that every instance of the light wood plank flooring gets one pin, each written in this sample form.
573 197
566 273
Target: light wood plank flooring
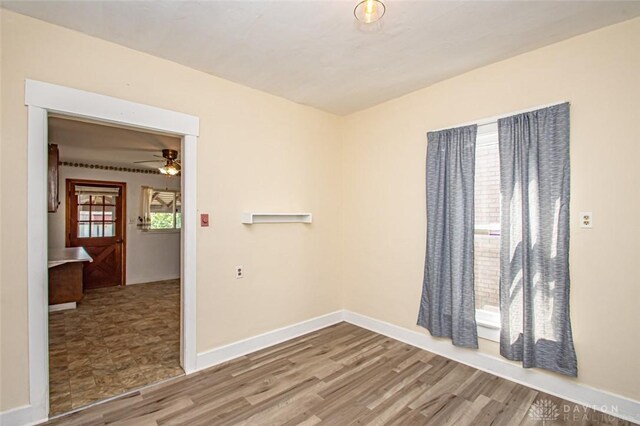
340 375
118 339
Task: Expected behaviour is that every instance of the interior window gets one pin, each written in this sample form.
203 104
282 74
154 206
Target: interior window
165 210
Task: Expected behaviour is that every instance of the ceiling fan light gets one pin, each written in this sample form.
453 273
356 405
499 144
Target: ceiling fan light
369 11
169 169
170 154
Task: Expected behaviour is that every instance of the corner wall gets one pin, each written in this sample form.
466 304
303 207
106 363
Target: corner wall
384 190
256 152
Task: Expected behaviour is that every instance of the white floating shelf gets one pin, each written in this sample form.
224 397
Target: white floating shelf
254 218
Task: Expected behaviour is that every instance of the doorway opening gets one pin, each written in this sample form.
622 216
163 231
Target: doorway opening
114 285
46 100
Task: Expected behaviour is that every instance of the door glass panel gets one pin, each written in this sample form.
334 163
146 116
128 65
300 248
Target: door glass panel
109 213
83 230
109 229
96 213
109 199
83 213
99 199
96 230
84 199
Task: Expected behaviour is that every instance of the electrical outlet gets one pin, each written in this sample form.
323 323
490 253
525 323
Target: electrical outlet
239 272
586 220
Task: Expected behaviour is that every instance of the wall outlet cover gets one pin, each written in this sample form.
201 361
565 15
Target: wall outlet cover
586 220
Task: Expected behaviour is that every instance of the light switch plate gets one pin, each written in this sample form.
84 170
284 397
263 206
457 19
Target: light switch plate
204 219
586 220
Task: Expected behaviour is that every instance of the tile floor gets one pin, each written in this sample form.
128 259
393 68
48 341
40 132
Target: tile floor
118 339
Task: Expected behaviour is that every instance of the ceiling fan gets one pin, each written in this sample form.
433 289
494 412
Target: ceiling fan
170 160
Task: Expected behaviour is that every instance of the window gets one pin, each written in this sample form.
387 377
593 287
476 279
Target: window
487 230
162 209
96 207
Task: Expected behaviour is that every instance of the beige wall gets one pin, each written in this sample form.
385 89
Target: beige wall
255 152
361 176
384 160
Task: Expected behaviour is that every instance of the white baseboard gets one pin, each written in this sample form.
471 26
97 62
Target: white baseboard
615 405
252 344
22 416
62 307
151 281
612 404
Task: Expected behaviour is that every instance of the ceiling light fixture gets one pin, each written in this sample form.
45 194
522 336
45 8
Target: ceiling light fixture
169 169
369 11
172 166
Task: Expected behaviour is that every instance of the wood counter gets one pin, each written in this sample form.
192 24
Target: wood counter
65 274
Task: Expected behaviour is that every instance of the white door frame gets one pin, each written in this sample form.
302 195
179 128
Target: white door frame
42 98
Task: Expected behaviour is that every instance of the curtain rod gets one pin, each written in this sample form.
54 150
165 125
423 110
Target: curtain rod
492 120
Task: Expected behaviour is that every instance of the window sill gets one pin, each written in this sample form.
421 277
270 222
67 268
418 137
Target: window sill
488 325
161 231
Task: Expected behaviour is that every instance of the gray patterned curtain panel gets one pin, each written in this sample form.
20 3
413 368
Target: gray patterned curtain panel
447 308
534 254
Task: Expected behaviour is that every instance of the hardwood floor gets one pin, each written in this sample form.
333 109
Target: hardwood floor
118 339
341 375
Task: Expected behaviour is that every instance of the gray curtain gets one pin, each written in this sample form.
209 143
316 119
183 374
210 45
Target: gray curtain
534 254
447 307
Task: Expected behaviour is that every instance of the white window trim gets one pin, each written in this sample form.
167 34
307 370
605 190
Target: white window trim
173 230
494 119
488 323
161 231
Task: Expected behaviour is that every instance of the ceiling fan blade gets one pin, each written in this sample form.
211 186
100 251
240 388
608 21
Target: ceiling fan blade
148 161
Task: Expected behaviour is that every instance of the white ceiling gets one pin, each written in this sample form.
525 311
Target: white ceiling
94 143
311 52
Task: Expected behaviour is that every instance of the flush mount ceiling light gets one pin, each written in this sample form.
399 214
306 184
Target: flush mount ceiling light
369 11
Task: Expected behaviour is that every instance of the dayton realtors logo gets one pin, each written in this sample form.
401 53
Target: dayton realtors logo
544 410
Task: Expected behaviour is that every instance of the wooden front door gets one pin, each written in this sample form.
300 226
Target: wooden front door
95 220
